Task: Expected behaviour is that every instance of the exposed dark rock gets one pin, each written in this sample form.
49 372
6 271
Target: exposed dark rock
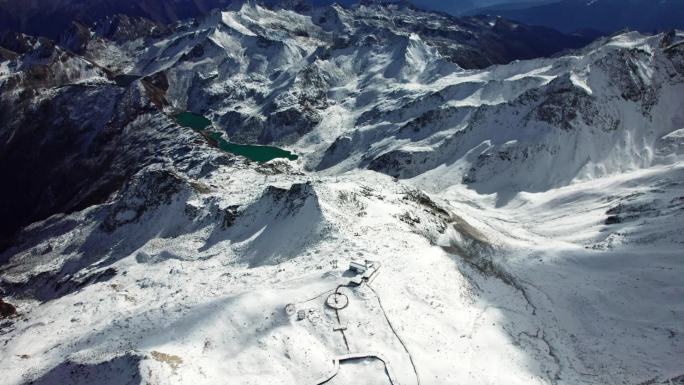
6 310
122 370
230 214
613 219
195 53
121 27
623 69
6 54
155 89
424 200
52 18
17 42
291 200
76 38
69 284
97 136
470 42
396 163
158 80
277 167
144 192
339 150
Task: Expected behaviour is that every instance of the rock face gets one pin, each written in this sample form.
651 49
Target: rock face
122 28
277 76
122 370
602 114
98 133
336 78
51 18
6 310
266 76
478 41
516 211
106 144
144 192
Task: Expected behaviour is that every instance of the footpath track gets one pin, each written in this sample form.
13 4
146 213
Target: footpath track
366 280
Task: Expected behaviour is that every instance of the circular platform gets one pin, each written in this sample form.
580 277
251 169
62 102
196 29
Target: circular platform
290 309
337 301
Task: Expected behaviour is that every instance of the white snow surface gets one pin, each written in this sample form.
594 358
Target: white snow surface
533 237
539 291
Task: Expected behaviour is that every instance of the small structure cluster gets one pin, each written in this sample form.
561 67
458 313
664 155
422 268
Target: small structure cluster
358 267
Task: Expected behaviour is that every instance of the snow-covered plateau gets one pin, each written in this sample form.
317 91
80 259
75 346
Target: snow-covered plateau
521 223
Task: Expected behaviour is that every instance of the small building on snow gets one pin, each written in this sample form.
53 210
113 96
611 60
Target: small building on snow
358 267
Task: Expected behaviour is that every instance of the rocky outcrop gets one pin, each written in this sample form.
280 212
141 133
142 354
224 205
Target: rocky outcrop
480 41
53 18
6 310
76 38
79 146
144 192
120 370
122 28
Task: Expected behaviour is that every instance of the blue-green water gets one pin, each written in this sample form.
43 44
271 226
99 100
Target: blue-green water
194 121
252 152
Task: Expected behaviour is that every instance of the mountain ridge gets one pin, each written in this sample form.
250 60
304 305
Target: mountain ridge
518 222
606 16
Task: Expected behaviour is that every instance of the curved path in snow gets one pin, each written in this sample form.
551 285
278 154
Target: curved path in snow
353 357
367 279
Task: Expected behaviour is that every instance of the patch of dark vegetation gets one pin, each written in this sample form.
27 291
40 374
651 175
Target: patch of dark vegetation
367 191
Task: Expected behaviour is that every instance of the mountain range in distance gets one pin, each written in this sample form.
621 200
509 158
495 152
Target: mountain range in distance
513 196
606 16
111 47
51 17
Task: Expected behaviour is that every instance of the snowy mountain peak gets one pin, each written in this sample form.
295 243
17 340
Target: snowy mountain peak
373 193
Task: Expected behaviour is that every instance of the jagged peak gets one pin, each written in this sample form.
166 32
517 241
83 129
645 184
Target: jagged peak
121 27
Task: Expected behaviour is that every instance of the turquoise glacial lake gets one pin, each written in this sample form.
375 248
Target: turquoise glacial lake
253 152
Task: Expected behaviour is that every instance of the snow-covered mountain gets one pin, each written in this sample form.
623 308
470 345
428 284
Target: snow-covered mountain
463 6
50 17
519 222
606 16
262 74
